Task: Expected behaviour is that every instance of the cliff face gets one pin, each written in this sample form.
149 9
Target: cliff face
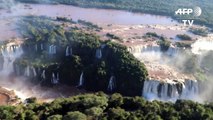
74 58
166 81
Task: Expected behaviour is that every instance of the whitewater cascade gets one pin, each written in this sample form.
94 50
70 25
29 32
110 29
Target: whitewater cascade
42 46
10 53
34 71
152 48
81 80
55 78
68 51
30 71
112 84
43 76
98 53
27 71
170 91
52 49
17 70
36 47
103 46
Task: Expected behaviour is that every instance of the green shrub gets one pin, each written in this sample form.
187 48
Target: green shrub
184 37
75 116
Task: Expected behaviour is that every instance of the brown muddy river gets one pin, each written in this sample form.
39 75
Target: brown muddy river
98 16
89 14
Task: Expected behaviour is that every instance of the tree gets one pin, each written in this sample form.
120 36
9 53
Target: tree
116 100
118 114
75 116
164 45
94 111
55 117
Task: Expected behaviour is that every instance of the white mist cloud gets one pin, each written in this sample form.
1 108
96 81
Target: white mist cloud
6 4
202 45
24 88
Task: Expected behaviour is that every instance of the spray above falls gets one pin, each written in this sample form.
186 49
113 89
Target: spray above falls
6 4
202 45
21 84
10 53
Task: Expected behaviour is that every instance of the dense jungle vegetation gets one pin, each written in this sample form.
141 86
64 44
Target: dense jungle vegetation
99 106
159 7
116 61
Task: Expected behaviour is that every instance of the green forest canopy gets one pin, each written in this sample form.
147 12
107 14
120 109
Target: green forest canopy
104 107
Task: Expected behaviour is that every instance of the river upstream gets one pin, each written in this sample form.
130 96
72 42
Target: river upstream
97 16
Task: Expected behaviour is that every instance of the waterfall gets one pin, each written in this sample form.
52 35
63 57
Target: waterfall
30 71
36 47
172 51
103 46
10 53
52 49
191 89
68 51
156 49
34 71
27 71
137 48
98 54
55 79
170 91
112 84
17 69
43 76
81 80
42 47
153 49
